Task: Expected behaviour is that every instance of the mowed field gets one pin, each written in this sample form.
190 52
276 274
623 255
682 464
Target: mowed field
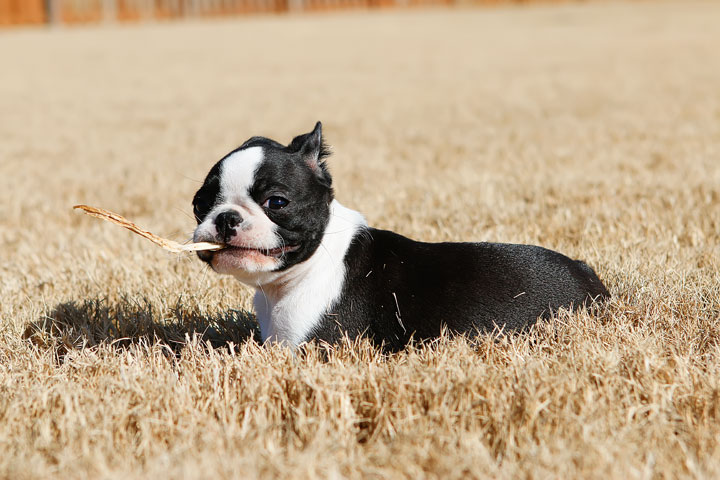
592 129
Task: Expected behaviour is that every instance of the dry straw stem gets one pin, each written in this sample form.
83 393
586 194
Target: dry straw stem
590 128
169 245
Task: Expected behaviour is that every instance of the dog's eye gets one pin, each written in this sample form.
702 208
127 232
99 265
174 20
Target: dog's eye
276 203
200 208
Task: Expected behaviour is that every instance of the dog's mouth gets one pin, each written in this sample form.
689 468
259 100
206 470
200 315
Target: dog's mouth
271 252
234 250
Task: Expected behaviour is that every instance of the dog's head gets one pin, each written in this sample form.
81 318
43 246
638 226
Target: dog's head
268 203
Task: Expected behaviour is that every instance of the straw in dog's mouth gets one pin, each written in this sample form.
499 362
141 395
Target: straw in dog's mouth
205 248
169 245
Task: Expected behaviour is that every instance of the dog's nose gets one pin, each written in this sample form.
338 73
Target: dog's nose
225 224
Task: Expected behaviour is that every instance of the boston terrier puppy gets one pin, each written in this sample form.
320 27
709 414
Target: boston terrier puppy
321 272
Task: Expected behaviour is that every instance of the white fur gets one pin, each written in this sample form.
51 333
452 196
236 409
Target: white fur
237 174
290 303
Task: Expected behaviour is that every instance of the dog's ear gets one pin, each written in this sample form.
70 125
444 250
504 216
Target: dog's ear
313 152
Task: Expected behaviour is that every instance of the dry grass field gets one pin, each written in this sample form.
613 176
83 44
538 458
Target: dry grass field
592 129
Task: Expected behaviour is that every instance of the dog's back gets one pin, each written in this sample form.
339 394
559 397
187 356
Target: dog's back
396 288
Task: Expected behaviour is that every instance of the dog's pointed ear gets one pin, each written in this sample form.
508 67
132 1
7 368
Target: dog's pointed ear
313 151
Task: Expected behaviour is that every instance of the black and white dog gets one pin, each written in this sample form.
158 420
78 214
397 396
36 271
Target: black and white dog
321 272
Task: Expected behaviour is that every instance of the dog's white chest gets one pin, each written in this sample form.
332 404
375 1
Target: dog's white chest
292 318
293 304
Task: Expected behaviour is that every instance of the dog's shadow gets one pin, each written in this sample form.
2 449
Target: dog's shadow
88 323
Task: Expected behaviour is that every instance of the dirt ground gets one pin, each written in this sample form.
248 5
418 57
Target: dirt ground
592 129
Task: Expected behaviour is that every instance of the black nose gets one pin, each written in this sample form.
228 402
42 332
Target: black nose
225 224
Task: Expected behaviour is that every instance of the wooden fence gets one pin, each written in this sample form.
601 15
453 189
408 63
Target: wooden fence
28 12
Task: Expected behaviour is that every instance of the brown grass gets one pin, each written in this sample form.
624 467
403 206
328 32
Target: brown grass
591 129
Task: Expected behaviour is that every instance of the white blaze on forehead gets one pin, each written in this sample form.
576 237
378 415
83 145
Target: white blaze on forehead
237 173
237 176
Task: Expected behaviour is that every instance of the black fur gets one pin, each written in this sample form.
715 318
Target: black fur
304 220
397 288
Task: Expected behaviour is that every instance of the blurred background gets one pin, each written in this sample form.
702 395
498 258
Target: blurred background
24 12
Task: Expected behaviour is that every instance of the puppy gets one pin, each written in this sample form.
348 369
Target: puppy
321 272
